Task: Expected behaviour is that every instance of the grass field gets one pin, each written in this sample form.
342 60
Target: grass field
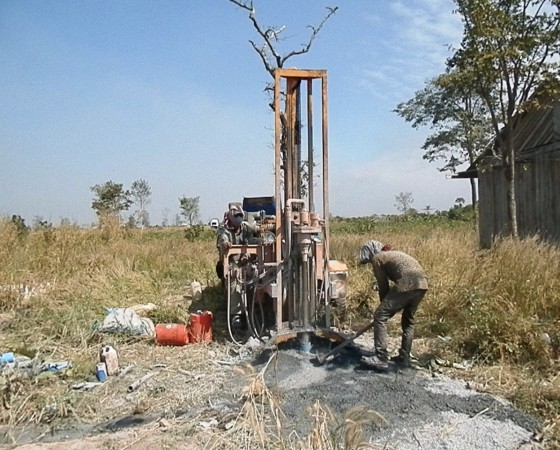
497 309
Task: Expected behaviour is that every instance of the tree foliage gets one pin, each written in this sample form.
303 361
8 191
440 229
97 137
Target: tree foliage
190 209
508 53
458 118
19 224
110 199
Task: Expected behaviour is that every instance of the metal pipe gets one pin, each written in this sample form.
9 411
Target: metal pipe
326 211
297 142
291 291
288 258
304 296
310 160
278 197
305 343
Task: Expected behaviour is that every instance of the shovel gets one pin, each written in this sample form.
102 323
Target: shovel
322 358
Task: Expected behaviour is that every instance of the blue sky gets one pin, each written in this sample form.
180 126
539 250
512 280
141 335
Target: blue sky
171 92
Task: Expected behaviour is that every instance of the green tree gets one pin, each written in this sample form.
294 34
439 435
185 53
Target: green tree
404 201
458 118
40 224
141 192
190 209
110 199
507 54
19 223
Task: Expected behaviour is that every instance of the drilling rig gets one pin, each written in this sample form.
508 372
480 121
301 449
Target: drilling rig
283 282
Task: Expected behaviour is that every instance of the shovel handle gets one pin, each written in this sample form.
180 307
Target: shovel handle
322 358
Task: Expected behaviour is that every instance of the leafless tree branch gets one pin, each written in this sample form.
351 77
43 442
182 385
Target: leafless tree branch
268 53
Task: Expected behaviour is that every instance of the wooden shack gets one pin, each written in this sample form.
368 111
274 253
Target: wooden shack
537 178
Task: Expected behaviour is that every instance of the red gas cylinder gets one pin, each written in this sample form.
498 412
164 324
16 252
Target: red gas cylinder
201 327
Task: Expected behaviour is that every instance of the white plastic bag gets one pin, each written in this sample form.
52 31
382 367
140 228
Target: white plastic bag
126 320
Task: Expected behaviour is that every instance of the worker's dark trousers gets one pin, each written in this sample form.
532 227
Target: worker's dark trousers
393 303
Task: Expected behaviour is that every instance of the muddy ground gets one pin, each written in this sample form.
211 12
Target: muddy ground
188 405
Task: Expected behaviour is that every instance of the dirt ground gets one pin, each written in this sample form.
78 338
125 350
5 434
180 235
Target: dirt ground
215 396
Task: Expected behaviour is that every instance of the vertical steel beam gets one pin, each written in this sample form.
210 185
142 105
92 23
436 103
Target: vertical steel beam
310 191
278 198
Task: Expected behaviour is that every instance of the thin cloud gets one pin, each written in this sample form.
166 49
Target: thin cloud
415 44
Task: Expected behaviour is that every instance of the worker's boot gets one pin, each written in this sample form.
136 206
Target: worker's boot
402 359
375 362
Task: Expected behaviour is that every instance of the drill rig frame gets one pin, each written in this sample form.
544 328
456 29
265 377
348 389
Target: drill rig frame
285 279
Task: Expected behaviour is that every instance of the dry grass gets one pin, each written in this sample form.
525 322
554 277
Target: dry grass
499 309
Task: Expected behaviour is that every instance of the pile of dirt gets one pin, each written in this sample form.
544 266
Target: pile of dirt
420 410
199 393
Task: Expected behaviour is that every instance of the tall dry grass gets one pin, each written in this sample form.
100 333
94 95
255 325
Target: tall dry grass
498 307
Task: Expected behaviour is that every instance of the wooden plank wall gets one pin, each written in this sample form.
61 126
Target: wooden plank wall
538 200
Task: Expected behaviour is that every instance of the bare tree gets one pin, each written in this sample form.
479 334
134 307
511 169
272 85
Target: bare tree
268 50
404 202
272 58
141 191
165 217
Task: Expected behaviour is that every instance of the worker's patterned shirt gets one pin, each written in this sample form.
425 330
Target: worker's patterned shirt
401 268
246 234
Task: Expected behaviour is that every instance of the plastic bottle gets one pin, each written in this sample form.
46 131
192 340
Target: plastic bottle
196 288
101 371
6 358
109 356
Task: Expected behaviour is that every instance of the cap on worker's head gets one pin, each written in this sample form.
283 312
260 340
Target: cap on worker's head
369 250
235 216
235 211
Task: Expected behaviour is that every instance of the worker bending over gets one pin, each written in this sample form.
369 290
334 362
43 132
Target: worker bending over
406 293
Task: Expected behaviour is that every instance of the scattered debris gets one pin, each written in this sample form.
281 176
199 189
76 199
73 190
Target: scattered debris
86 385
125 370
138 383
126 321
207 424
32 367
141 310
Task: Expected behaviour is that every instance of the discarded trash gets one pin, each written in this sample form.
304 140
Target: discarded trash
30 367
201 327
56 366
109 356
86 385
141 310
101 371
125 370
139 382
207 424
6 358
196 289
126 320
172 334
